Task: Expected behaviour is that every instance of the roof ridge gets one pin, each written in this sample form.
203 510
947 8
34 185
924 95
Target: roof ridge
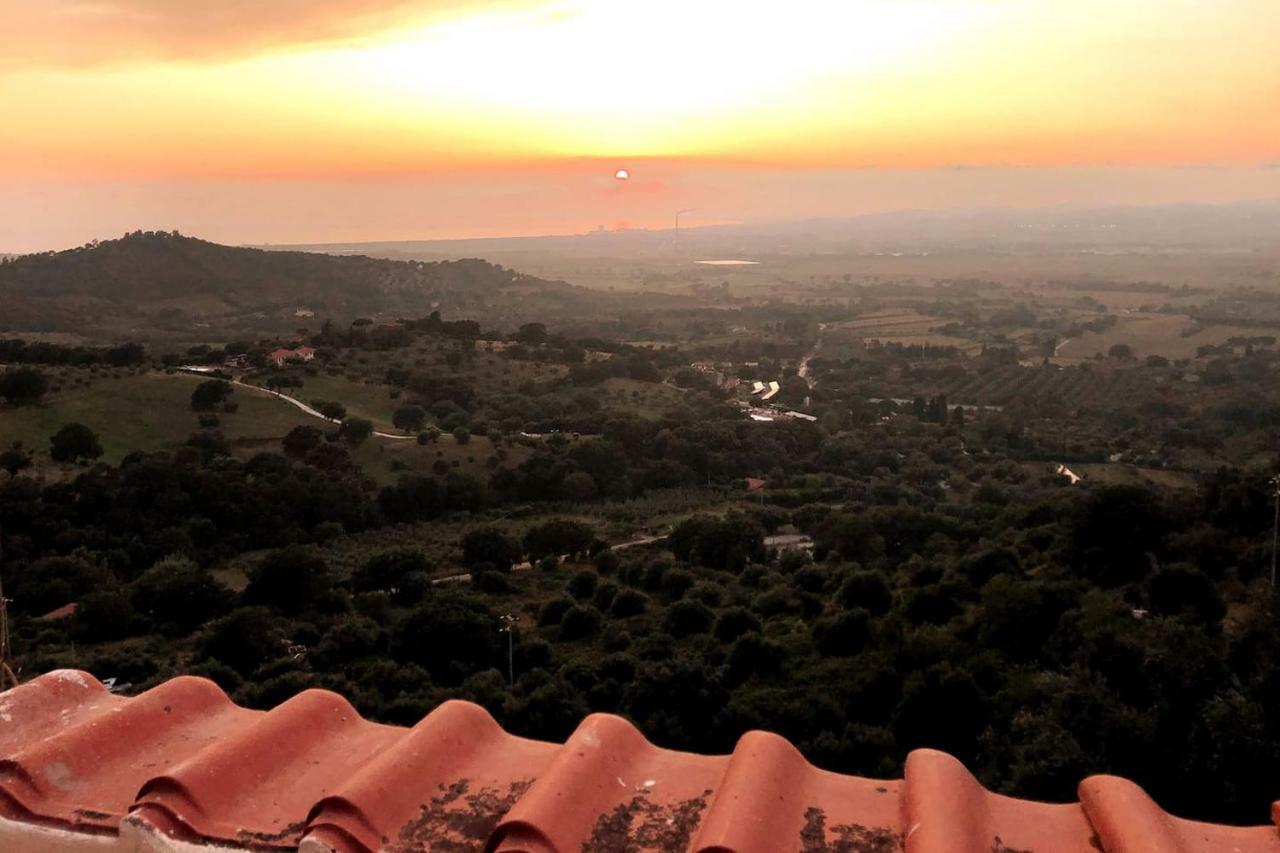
312 773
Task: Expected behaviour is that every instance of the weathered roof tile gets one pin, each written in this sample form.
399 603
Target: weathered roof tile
181 764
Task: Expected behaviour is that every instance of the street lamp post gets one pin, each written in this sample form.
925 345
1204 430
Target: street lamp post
1275 526
509 621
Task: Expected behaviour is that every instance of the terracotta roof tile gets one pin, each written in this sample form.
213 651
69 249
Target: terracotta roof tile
182 763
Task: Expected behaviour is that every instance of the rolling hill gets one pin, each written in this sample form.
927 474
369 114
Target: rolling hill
162 284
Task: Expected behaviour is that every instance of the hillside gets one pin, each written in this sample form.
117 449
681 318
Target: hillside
167 285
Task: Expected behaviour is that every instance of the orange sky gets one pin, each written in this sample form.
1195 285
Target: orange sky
512 107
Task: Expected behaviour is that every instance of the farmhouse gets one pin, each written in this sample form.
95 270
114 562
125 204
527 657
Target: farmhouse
280 356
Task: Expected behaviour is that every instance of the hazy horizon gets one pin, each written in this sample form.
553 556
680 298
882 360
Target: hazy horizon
390 119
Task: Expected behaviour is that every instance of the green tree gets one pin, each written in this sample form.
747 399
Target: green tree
409 418
452 634
210 394
403 573
73 443
489 544
177 595
244 639
558 537
532 333
15 459
301 440
20 386
290 580
331 409
355 431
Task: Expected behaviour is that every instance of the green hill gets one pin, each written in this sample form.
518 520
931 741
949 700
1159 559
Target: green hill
161 284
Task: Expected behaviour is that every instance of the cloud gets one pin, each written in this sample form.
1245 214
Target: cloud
62 33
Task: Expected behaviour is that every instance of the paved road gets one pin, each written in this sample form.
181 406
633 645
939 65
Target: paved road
298 404
803 371
526 566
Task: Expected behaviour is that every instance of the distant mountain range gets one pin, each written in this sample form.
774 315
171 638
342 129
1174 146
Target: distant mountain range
175 286
1158 229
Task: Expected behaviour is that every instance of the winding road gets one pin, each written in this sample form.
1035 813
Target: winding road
526 566
298 404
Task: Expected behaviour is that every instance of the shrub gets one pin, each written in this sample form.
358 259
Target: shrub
553 611
583 585
489 544
290 580
580 622
867 590
843 634
688 617
629 602
752 654
733 622
74 442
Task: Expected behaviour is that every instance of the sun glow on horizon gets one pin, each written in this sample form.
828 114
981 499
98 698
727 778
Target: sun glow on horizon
808 83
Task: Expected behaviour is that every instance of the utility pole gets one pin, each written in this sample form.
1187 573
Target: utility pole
7 677
680 213
509 621
1275 527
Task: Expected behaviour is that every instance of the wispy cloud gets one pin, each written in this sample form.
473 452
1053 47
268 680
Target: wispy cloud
58 33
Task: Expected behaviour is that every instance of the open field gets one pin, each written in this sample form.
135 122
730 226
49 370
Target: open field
150 411
1119 474
647 399
1174 336
385 460
368 400
903 327
1147 334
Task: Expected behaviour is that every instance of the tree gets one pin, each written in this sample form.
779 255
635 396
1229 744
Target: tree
688 617
868 590
210 394
290 580
579 486
489 544
462 435
355 431
15 459
414 498
452 635
409 418
718 543
178 595
244 639
842 634
73 443
402 573
532 333
301 440
629 602
579 622
734 622
557 537
332 410
21 386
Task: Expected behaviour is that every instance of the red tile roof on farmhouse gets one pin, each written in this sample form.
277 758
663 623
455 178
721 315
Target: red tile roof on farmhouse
182 763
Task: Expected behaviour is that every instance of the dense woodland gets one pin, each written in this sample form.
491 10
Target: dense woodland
939 584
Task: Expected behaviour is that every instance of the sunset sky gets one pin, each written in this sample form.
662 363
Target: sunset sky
301 120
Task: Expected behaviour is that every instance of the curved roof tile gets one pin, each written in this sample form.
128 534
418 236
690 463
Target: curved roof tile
181 764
